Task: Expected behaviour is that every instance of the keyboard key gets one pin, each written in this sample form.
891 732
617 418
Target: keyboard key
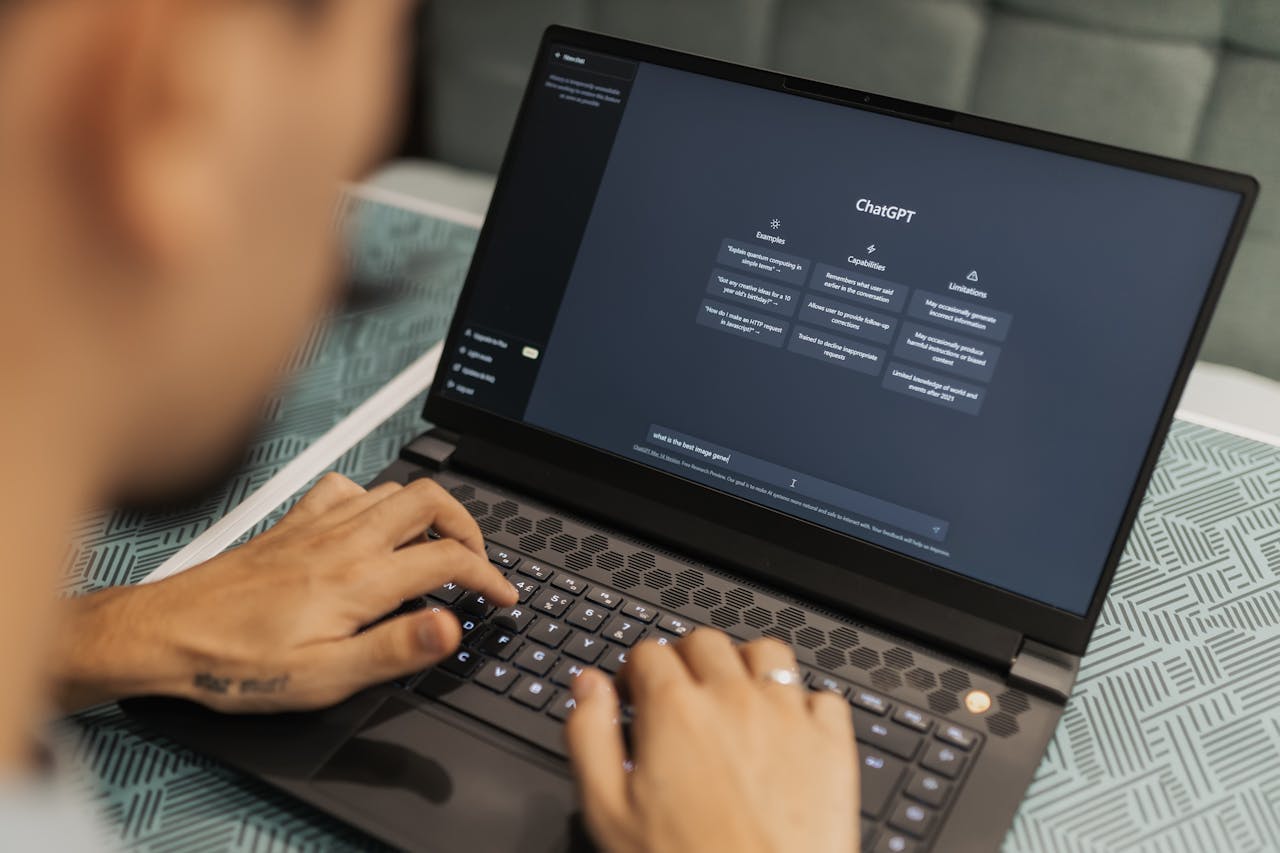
917 720
677 625
562 707
569 583
535 693
497 676
472 626
585 647
549 601
587 615
566 672
536 570
499 644
535 659
474 602
607 597
821 681
868 833
504 558
449 593
639 610
515 618
886 734
912 818
873 702
944 759
525 587
928 788
461 663
895 842
613 660
957 736
624 629
880 777
550 634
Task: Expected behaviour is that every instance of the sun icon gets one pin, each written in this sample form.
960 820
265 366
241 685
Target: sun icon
775 224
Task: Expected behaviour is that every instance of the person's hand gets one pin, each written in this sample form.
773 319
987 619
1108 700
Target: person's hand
723 758
275 624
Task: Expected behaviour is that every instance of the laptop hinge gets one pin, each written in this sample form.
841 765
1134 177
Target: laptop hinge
753 558
432 449
1044 670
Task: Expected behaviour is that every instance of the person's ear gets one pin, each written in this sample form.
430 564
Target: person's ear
157 117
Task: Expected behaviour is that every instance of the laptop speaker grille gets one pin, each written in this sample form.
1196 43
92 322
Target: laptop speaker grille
838 648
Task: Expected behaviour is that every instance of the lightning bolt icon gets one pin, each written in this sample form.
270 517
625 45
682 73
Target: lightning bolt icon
871 250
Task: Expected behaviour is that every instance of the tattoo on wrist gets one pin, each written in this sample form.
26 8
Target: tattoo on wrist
213 684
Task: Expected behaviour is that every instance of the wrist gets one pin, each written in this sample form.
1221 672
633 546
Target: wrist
113 646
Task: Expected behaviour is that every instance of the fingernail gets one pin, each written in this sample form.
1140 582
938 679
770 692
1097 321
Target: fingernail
431 635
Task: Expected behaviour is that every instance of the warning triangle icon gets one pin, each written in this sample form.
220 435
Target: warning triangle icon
973 276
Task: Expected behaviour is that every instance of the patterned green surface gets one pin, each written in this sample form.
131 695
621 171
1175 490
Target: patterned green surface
1171 741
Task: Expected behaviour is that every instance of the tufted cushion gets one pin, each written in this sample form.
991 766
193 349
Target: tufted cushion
734 30
478 61
1187 78
1137 92
876 45
1254 25
1242 130
1183 19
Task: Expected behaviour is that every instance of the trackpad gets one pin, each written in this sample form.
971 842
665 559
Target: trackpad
433 785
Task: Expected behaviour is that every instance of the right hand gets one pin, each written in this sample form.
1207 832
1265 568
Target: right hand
724 760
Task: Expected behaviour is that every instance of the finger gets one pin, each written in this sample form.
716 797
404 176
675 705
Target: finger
831 712
330 491
597 753
652 672
397 647
711 657
357 504
763 657
420 568
420 505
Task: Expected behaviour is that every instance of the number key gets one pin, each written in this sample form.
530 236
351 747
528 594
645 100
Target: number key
623 629
549 601
586 615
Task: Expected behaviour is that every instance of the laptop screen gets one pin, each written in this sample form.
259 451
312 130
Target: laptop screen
950 346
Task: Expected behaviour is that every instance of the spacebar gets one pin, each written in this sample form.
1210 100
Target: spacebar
498 711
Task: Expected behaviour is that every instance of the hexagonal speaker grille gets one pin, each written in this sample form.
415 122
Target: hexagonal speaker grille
1002 724
943 701
831 645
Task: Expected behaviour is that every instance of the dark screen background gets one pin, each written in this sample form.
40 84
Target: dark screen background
1103 270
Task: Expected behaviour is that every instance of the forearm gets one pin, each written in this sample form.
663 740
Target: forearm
112 646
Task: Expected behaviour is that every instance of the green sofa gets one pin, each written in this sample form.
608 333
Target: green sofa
1197 79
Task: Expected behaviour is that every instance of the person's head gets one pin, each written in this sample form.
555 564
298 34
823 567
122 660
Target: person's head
168 175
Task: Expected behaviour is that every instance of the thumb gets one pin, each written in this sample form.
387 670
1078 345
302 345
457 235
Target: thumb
597 752
396 647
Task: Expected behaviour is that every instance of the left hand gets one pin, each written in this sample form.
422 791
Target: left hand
275 624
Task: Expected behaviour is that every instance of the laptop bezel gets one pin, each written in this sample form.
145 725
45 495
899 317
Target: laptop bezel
1028 617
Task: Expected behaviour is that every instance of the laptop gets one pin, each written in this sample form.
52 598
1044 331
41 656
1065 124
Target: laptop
880 380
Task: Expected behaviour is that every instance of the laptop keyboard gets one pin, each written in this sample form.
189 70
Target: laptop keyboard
515 665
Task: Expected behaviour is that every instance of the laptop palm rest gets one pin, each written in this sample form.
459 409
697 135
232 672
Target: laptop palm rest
437 786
